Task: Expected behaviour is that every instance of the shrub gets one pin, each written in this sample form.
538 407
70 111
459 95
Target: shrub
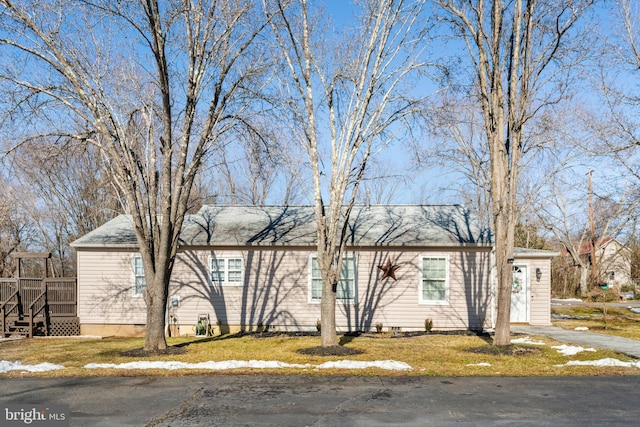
428 324
627 288
378 327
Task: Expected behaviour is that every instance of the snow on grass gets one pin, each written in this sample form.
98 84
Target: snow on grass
604 362
6 366
559 300
391 365
581 328
215 366
479 364
570 350
526 340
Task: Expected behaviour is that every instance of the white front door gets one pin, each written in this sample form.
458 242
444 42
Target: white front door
520 294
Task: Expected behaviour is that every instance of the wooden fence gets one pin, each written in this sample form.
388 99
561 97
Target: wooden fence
28 304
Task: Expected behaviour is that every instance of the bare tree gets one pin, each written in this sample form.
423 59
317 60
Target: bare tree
455 127
563 209
70 194
568 224
614 121
518 51
454 124
266 167
381 185
17 230
155 85
346 98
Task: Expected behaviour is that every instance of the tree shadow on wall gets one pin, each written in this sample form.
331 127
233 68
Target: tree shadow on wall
268 279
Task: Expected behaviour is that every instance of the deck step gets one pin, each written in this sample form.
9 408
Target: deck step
15 325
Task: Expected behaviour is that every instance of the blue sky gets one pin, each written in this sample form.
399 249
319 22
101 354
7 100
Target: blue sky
432 184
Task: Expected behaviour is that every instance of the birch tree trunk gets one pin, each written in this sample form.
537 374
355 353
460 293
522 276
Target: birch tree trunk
515 51
343 96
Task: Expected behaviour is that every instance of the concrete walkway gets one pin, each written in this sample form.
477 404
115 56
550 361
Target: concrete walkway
621 345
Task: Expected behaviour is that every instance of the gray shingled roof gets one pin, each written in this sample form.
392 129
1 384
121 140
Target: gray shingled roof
534 253
393 225
116 233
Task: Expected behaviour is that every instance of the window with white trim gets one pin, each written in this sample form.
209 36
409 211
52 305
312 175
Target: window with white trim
139 281
345 291
434 286
226 271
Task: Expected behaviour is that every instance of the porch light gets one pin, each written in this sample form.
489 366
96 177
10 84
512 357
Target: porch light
538 274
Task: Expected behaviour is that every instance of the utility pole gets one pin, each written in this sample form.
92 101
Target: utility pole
594 263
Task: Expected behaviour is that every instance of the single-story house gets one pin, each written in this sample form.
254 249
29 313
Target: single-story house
246 267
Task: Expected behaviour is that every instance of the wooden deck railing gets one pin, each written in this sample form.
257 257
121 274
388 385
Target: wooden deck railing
31 299
62 296
37 309
9 301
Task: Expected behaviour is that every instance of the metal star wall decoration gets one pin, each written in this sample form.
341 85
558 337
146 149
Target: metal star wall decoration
389 269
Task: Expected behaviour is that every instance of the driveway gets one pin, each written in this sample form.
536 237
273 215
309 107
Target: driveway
273 400
621 345
626 346
573 302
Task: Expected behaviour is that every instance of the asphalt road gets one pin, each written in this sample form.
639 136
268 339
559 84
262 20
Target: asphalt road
273 400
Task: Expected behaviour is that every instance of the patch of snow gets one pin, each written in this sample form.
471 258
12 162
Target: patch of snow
255 364
6 366
581 328
480 364
604 362
567 316
526 340
635 310
216 366
569 350
559 300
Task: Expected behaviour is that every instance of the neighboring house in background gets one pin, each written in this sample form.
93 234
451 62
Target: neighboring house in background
248 267
613 261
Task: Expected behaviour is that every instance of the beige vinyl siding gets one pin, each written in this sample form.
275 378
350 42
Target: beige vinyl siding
276 291
615 258
397 303
105 293
540 291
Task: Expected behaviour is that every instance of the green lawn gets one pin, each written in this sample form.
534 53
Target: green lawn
433 354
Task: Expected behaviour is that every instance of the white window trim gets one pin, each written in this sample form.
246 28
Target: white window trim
225 281
447 283
348 301
134 277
